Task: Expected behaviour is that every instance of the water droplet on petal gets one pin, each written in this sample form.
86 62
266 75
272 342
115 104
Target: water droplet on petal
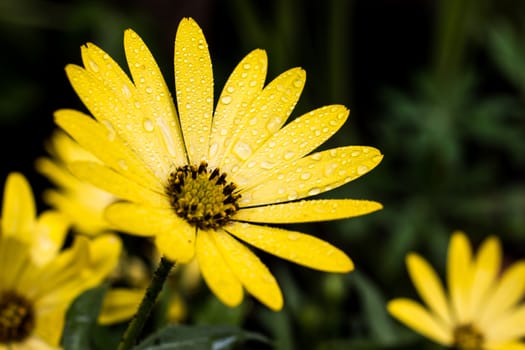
355 153
247 66
226 100
148 125
149 90
313 191
305 176
230 89
293 236
292 195
242 150
298 83
362 169
122 164
289 155
94 67
111 130
213 149
126 91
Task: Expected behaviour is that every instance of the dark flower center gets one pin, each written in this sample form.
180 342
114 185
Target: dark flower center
201 196
17 318
468 337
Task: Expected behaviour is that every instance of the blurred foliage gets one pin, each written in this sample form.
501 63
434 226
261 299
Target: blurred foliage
437 85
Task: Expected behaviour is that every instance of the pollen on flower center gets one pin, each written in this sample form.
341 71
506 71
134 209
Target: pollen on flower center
17 318
468 337
202 196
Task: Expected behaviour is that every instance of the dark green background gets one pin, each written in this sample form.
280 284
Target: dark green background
437 86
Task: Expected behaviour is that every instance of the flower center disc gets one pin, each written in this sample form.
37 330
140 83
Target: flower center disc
467 337
17 319
202 196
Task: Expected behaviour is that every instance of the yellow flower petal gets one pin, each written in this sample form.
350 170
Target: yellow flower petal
216 272
18 208
486 268
416 317
50 232
178 244
105 250
14 255
298 247
245 82
194 86
145 221
429 287
121 186
252 273
508 327
311 175
115 105
459 276
506 346
120 304
106 146
265 116
508 291
308 211
155 96
296 139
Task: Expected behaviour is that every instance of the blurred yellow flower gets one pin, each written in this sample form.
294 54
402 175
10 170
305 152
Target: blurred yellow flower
482 310
198 180
82 202
38 280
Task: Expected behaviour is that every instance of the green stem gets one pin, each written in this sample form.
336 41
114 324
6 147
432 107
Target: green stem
135 326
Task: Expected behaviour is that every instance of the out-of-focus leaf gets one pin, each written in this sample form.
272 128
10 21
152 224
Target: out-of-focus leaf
380 325
81 319
280 326
218 337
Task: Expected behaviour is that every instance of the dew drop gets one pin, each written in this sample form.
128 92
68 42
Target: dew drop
148 124
362 169
111 130
149 90
298 83
94 67
122 164
305 176
247 66
126 91
355 153
293 236
230 89
267 165
226 100
292 195
289 155
213 149
313 191
377 158
316 156
242 150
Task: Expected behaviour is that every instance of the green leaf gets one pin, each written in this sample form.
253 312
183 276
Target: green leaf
381 326
81 318
217 337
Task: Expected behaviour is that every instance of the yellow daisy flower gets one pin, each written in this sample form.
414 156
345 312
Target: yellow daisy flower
82 202
483 309
38 280
201 181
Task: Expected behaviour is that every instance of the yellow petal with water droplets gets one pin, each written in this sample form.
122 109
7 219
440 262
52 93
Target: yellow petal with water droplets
309 176
266 115
308 211
295 246
122 113
50 232
509 290
486 269
216 272
18 208
459 275
507 327
106 146
120 304
122 187
194 87
245 82
296 139
429 287
413 315
252 273
155 96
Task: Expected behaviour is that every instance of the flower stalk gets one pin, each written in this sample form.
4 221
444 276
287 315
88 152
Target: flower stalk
136 325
